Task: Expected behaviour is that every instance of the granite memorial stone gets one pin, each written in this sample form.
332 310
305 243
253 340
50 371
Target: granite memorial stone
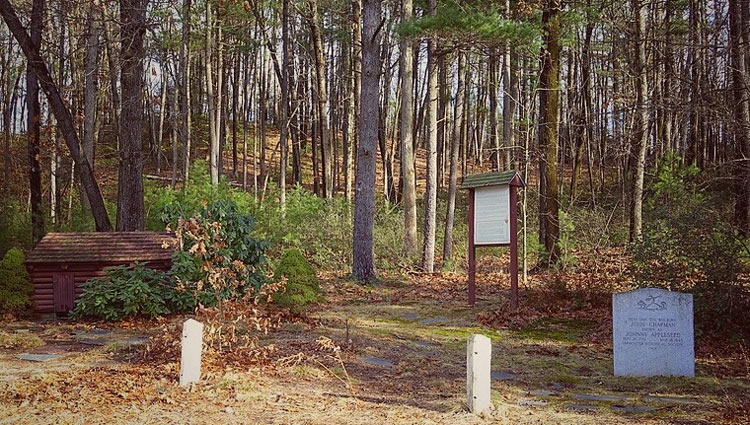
652 331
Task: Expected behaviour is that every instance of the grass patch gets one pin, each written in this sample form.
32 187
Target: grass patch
567 331
15 341
308 371
465 333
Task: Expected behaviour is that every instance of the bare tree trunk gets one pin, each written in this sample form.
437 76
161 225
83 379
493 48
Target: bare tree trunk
509 98
113 62
494 140
357 76
363 267
640 133
62 114
406 132
549 86
130 210
741 112
185 104
162 112
34 126
349 109
583 134
284 101
175 118
323 104
455 143
235 100
91 82
428 248
214 100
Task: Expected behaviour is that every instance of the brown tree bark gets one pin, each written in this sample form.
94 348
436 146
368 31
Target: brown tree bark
549 101
34 126
406 132
284 107
323 106
61 112
363 267
130 210
185 104
91 82
455 143
428 247
740 37
640 134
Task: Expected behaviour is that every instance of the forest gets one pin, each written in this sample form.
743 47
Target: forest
308 157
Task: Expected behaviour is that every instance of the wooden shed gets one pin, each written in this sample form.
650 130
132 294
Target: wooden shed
61 262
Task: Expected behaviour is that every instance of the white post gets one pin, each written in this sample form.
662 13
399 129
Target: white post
478 359
192 345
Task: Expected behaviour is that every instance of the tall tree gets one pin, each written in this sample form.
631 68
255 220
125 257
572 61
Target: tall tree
34 120
214 100
185 115
284 83
363 267
640 133
130 211
61 112
323 106
458 112
509 97
428 247
406 131
739 37
91 83
549 107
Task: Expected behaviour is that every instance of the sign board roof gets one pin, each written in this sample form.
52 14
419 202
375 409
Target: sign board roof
492 179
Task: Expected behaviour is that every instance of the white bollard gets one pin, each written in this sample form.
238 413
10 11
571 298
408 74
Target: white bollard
478 359
192 345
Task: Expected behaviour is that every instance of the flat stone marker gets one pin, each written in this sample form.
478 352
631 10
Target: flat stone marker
192 346
502 376
675 400
434 320
37 357
581 407
424 344
98 342
478 362
601 397
633 409
134 340
526 402
543 393
379 361
652 332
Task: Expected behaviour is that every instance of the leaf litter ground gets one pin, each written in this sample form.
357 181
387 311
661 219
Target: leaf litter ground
390 353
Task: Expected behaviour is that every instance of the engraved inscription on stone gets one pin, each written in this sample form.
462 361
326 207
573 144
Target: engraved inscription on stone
653 333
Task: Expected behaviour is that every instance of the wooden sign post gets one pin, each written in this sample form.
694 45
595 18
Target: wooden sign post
493 221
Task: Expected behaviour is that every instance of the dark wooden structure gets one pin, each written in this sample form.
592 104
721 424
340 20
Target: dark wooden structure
512 181
61 262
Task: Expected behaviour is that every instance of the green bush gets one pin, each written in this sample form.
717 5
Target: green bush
218 259
686 246
15 286
302 285
15 225
320 228
131 291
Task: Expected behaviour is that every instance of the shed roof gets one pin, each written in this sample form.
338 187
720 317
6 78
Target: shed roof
103 247
491 179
